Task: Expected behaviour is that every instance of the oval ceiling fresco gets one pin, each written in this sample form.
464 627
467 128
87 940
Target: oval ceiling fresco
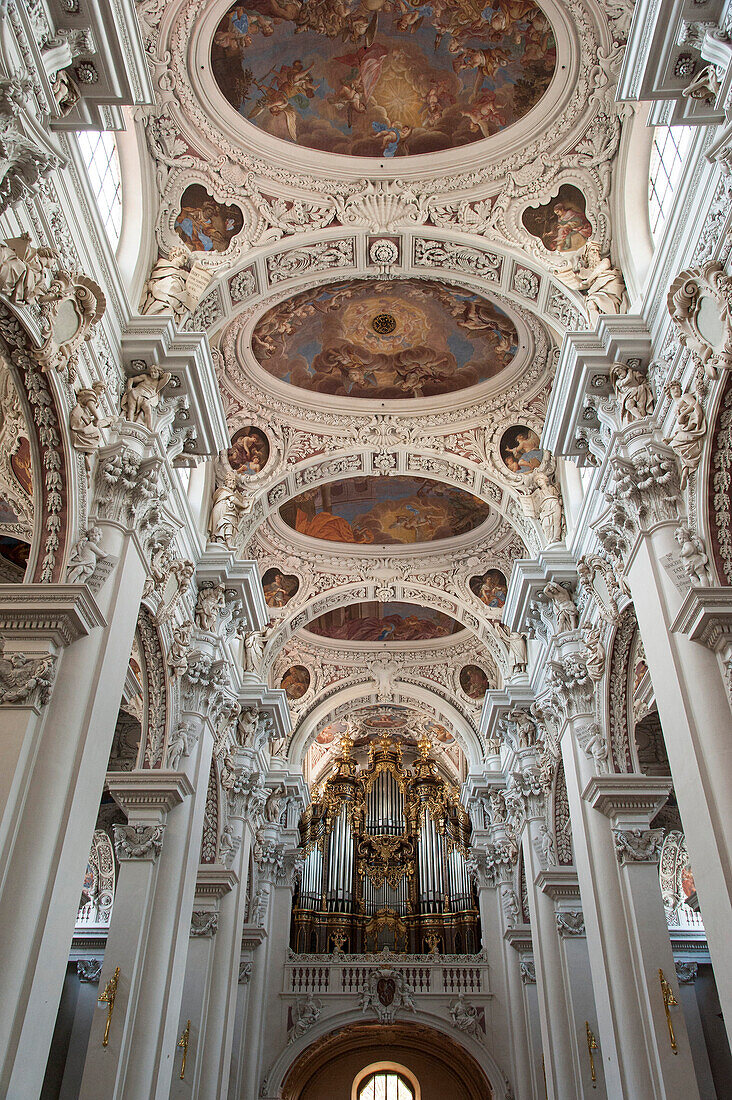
383 78
384 511
384 622
398 339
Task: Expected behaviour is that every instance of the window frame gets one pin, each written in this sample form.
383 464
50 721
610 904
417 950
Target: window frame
99 154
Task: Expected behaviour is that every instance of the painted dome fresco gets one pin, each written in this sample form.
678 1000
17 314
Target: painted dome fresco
384 622
383 340
383 78
384 511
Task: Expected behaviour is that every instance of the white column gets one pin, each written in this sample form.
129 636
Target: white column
693 704
200 1004
214 1031
54 819
635 1060
561 884
265 1013
631 803
556 1024
495 869
143 1062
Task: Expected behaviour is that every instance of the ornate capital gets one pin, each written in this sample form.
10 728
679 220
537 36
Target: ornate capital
570 924
528 971
644 492
89 970
26 681
138 841
571 690
638 845
247 796
127 485
270 858
204 923
686 972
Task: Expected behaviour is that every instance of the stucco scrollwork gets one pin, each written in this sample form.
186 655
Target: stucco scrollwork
700 304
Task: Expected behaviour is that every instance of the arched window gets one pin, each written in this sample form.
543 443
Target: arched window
670 148
102 166
385 1085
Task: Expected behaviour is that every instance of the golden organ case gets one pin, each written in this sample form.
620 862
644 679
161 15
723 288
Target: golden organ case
385 852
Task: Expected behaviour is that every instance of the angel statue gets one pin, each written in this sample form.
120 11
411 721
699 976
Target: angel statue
228 504
254 643
544 500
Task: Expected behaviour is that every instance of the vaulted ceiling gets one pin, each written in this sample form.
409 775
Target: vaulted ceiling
386 208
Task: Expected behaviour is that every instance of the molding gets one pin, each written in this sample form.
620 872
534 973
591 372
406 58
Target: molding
214 881
583 373
705 616
630 801
54 614
559 883
149 789
187 355
519 938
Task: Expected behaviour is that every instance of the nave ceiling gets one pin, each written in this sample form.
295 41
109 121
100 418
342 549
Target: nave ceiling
385 216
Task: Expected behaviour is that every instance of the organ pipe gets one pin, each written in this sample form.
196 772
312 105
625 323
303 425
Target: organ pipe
385 852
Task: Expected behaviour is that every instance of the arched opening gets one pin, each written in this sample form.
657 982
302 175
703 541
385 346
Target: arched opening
431 1065
385 1081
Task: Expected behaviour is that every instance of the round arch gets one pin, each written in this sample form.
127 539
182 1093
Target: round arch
373 589
471 471
386 1067
58 479
332 705
465 1065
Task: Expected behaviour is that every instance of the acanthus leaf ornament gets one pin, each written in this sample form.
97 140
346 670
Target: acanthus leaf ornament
24 680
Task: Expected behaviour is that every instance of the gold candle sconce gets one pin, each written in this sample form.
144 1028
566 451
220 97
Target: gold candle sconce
107 998
591 1047
183 1044
668 1000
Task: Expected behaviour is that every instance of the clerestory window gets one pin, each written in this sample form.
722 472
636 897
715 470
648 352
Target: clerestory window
670 147
99 151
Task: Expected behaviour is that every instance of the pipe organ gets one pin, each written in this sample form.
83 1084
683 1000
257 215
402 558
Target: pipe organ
385 853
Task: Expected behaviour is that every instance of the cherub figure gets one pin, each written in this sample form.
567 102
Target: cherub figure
87 553
693 555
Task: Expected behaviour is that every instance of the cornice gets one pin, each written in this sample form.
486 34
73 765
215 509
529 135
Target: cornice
705 616
519 938
56 614
214 881
559 883
148 789
628 800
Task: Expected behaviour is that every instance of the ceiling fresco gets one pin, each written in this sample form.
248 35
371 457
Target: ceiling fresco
393 339
384 622
383 78
384 511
